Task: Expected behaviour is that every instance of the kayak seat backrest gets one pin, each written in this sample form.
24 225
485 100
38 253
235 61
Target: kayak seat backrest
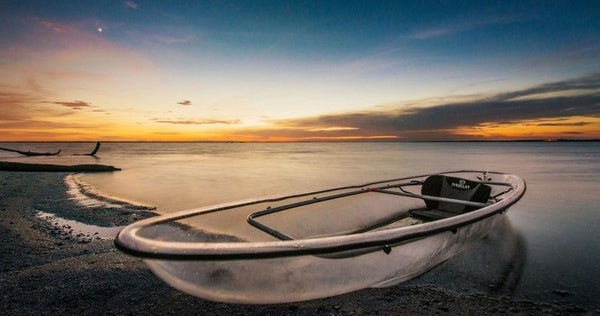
454 188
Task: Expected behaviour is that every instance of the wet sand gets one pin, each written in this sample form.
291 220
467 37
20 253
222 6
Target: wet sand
45 269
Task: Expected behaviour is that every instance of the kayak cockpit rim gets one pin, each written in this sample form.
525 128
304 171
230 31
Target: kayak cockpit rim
382 189
129 241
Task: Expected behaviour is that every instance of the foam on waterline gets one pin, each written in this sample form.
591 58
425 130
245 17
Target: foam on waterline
78 229
86 195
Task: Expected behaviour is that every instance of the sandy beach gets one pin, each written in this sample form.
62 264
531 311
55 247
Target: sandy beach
50 269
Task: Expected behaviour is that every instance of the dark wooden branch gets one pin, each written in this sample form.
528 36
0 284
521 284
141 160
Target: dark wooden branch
30 153
31 167
93 153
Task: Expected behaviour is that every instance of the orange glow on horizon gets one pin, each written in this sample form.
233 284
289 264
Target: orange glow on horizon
515 131
330 138
567 127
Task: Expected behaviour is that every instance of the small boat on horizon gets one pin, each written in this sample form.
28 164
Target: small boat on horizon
322 243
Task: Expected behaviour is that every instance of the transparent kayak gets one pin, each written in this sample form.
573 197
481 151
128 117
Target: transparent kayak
322 243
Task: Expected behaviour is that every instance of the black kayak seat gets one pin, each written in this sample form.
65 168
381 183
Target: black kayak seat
453 188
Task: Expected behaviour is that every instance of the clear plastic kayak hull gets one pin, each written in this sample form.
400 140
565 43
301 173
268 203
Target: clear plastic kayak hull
272 264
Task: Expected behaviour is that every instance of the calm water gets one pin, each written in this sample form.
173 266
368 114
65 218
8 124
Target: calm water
546 250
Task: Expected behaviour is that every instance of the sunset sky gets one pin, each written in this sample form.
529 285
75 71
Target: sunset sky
299 70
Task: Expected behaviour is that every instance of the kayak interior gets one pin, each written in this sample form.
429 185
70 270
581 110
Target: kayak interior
349 211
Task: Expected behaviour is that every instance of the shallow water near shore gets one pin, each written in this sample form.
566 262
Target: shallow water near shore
546 250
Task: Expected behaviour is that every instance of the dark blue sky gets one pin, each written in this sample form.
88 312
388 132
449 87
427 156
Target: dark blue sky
331 29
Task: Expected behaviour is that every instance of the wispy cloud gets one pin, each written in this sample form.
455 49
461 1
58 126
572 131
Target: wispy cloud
41 124
442 120
565 124
24 116
57 75
185 102
9 98
591 82
131 5
77 105
14 101
173 39
460 27
432 33
199 122
560 122
20 104
378 61
49 25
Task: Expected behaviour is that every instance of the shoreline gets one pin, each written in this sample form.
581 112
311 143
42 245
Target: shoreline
46 270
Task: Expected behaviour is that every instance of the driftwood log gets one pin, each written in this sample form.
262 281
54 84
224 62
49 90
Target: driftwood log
32 167
30 153
33 153
93 153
